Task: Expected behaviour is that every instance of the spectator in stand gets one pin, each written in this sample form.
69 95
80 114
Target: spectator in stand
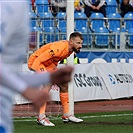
57 6
78 5
126 6
94 6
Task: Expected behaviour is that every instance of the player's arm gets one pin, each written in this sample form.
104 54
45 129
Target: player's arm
62 75
20 83
38 78
15 83
53 51
11 80
45 56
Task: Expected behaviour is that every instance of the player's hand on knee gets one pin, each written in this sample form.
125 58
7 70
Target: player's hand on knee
62 75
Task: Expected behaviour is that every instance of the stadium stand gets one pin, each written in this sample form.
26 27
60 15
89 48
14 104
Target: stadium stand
80 20
114 21
42 20
47 23
96 21
36 29
85 32
41 6
61 15
46 19
50 34
116 37
128 20
61 23
46 15
101 37
130 38
35 34
30 7
62 33
33 19
111 6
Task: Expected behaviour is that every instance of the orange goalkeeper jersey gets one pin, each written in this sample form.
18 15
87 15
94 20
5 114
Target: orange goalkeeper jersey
47 57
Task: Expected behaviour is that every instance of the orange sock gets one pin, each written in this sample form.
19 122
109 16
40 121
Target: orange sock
42 109
65 102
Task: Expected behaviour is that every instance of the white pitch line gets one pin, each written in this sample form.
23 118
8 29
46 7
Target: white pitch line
84 117
107 115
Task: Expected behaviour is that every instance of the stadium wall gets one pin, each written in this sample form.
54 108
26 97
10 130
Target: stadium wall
106 75
109 57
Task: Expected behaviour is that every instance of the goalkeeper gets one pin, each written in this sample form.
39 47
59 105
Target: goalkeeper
46 59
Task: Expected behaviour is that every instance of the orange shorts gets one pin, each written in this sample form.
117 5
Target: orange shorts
52 67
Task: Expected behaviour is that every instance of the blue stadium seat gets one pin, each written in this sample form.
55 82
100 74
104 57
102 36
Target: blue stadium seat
32 15
42 6
114 21
32 23
130 37
61 24
46 15
46 19
102 37
128 20
60 20
80 20
63 33
33 19
47 23
111 6
116 37
63 29
61 15
34 31
49 29
79 15
97 20
85 33
49 33
30 8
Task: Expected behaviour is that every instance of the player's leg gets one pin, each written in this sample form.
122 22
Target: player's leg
42 119
64 97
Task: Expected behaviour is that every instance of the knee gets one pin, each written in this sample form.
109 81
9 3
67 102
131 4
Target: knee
103 8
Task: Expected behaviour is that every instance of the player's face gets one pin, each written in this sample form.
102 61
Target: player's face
77 44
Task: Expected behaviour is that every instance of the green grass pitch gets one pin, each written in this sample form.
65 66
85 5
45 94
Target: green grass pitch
110 122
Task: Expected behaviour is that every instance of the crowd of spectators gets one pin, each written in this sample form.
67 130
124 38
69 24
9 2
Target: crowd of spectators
90 6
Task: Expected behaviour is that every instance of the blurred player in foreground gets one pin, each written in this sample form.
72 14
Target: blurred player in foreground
46 59
14 35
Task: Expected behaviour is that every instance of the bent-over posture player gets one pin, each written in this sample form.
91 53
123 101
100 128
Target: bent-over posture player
46 59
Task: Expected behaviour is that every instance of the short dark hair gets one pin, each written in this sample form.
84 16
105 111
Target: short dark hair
76 34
